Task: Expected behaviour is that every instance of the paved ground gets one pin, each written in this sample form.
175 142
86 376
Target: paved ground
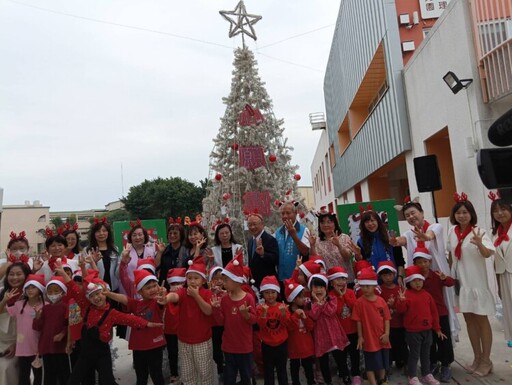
501 357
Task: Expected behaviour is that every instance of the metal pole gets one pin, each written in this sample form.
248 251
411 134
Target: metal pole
434 206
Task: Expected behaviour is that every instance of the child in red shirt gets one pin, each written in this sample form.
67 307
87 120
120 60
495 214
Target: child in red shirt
216 286
194 326
176 279
346 299
328 335
420 318
301 348
146 344
387 273
236 311
372 315
272 318
435 282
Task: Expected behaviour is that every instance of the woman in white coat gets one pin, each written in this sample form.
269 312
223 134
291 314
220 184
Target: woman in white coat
225 245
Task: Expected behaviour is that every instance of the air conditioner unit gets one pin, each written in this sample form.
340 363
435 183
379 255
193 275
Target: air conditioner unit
408 46
405 19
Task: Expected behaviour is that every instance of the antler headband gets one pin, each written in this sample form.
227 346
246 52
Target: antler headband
494 195
103 220
407 202
19 237
136 223
363 210
460 198
287 199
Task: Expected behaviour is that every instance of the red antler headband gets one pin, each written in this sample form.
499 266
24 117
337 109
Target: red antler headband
103 220
70 227
19 237
363 210
460 198
287 199
136 223
219 222
177 221
494 195
49 232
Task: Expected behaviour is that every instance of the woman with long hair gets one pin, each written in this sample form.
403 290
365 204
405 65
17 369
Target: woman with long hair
226 247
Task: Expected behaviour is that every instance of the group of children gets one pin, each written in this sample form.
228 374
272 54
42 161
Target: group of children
216 319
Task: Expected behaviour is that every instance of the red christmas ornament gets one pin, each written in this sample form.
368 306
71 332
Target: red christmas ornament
226 196
272 158
234 146
297 177
218 177
302 215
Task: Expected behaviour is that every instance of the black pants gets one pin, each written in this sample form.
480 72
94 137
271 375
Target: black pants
324 364
148 362
238 362
399 351
55 369
442 350
172 352
95 356
24 368
218 356
307 364
355 357
275 357
419 348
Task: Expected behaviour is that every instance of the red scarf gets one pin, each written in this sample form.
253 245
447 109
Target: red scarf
502 234
425 226
460 238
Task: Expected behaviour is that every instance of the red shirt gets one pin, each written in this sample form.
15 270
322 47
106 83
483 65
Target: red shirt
75 320
372 315
146 338
434 285
344 310
420 311
114 317
274 327
194 326
237 336
171 318
300 337
397 320
52 321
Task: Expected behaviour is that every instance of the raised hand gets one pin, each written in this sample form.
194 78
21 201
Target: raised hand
298 262
209 253
441 275
300 313
125 254
11 294
37 264
244 310
259 247
160 246
354 248
215 301
290 227
282 310
96 254
420 235
401 294
391 301
311 238
477 238
264 309
192 291
335 239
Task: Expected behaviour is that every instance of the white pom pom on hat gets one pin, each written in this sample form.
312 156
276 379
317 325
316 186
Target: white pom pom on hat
236 263
190 262
91 286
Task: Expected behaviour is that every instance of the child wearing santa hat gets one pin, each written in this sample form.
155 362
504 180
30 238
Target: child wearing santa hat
146 344
328 334
176 278
50 321
217 287
27 340
420 318
301 347
358 267
372 316
387 272
272 318
346 299
98 318
194 325
236 311
435 281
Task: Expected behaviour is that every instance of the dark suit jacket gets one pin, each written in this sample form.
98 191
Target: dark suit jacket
266 264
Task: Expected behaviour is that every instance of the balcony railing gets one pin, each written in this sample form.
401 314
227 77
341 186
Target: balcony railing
492 28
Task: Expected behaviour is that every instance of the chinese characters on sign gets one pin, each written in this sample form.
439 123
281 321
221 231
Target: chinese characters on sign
251 157
432 9
256 201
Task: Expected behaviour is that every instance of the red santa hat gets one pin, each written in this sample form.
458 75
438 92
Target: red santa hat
323 277
36 280
270 283
141 277
367 276
360 265
197 266
176 275
212 272
146 263
421 252
386 265
413 272
336 272
248 275
292 289
59 281
320 260
235 269
93 284
310 267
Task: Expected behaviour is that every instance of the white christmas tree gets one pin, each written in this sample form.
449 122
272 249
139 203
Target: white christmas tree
250 163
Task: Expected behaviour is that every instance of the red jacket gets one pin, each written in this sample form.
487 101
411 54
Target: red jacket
397 320
300 337
434 285
420 311
344 310
274 327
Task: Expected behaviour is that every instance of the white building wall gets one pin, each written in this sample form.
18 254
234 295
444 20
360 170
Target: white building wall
322 195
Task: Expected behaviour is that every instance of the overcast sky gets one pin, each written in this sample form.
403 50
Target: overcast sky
78 98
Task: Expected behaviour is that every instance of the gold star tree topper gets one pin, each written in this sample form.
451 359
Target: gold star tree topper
240 22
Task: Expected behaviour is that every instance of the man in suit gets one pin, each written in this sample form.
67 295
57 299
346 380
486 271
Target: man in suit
263 250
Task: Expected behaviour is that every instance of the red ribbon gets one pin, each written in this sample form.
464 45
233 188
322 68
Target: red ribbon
460 238
502 235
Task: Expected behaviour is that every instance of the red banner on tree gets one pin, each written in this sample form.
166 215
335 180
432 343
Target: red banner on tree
250 116
257 200
251 157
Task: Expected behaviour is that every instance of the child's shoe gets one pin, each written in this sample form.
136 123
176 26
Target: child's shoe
429 380
357 380
445 374
414 381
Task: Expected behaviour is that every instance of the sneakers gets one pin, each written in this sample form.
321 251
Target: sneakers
414 381
429 380
356 380
445 374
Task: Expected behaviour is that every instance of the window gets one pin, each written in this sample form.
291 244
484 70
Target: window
42 218
494 33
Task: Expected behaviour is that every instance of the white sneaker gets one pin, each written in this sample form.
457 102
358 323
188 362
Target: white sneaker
414 381
429 380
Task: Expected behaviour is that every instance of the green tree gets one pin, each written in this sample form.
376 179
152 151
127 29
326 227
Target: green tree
57 222
163 198
118 215
71 219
